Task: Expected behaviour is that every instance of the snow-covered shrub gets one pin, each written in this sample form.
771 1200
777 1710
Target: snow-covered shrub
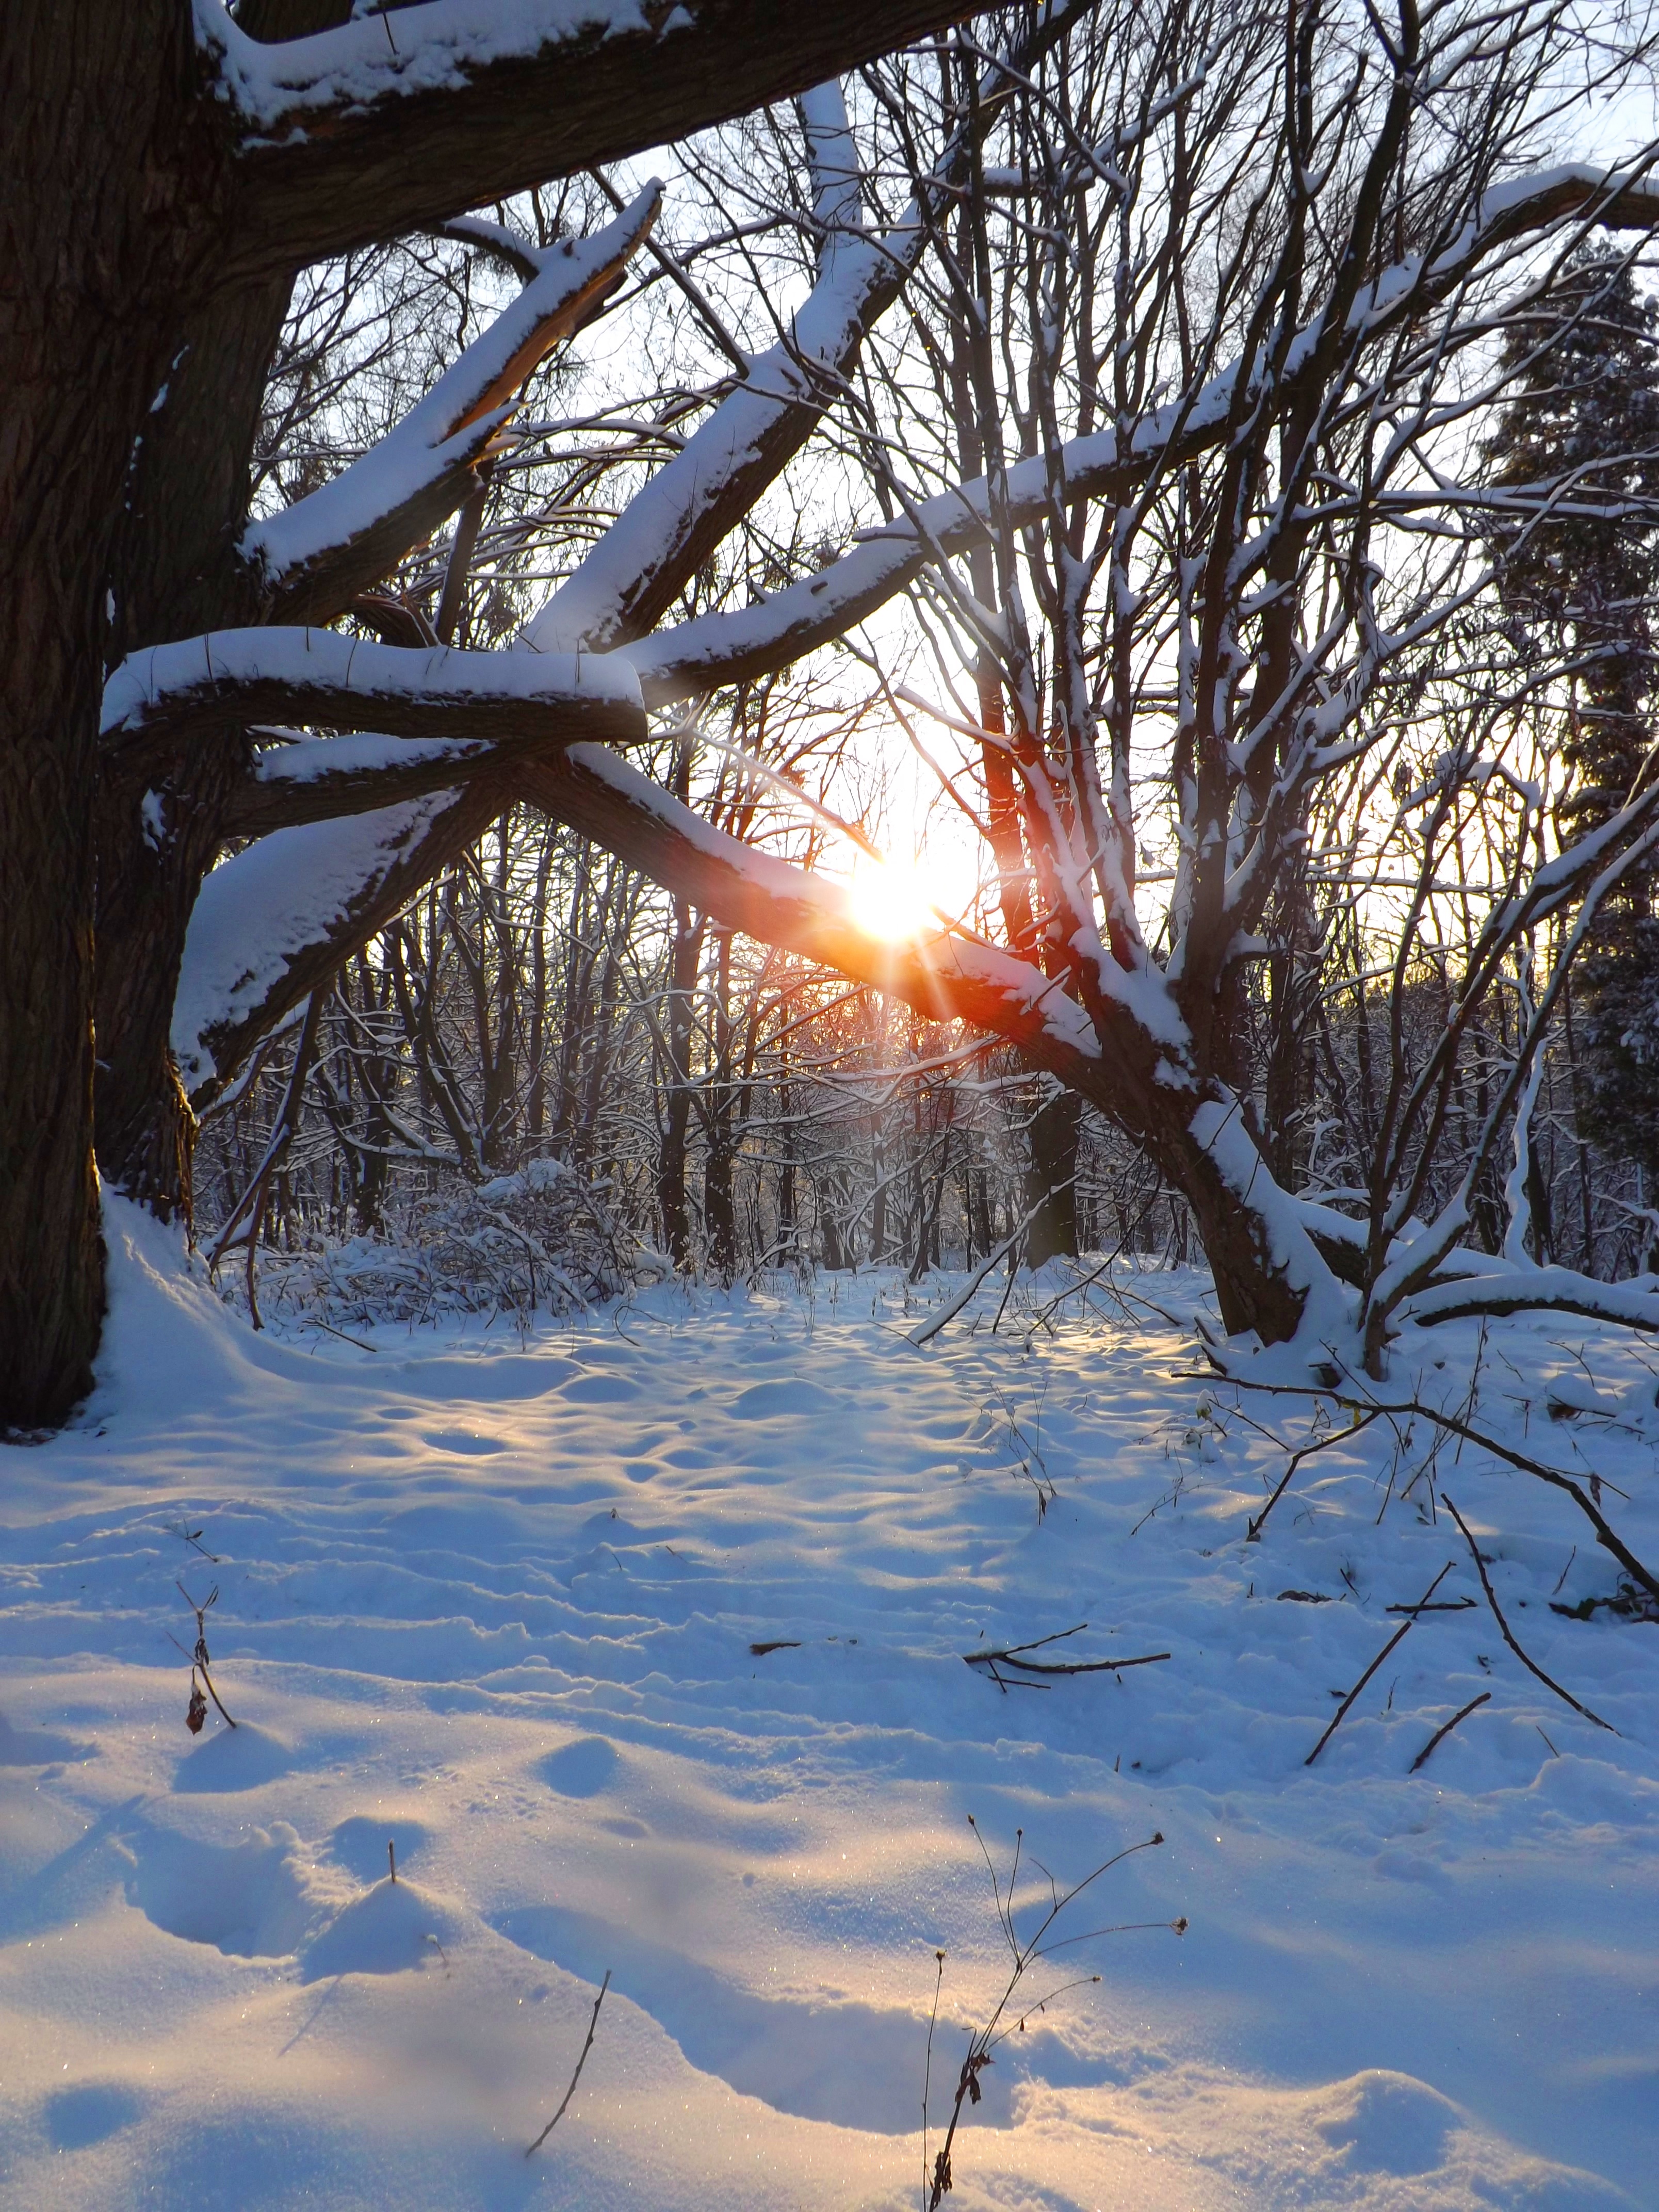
542 1240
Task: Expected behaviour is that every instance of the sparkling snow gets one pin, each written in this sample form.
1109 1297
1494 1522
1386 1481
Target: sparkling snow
493 1600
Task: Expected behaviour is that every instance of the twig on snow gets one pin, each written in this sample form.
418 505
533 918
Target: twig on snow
1404 1630
1253 1534
1010 1657
1441 1733
591 2025
1531 1665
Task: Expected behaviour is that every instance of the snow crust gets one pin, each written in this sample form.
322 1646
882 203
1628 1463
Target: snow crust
268 903
444 429
308 658
276 88
493 1600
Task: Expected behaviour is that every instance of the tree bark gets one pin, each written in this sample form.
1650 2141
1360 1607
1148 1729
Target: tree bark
110 191
330 178
685 958
1051 1179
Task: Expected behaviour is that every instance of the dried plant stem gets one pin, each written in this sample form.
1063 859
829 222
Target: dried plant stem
1404 1630
214 1694
1508 1633
927 2074
591 2025
1443 1732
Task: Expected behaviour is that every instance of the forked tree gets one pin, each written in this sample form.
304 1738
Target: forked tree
165 170
1215 299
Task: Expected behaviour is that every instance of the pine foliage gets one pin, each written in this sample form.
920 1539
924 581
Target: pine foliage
1581 582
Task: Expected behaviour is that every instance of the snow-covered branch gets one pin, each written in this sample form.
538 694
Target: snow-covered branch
315 556
1108 464
273 923
400 118
156 698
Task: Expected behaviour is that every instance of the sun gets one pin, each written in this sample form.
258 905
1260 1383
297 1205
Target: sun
890 900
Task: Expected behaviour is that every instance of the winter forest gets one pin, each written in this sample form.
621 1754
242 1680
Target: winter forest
828 1130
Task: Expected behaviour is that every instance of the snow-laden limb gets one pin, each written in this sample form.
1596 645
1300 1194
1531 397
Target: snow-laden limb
323 779
286 89
1632 1304
400 118
319 675
316 554
949 976
272 924
688 507
750 641
685 510
837 174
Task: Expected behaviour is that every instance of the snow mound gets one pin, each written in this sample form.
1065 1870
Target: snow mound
391 1929
230 1760
784 1399
1388 2124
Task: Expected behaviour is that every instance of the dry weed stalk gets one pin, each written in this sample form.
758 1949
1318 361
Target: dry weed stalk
1009 2016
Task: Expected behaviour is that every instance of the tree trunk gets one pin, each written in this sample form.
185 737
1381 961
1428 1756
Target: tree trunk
175 572
1051 1178
719 1213
108 194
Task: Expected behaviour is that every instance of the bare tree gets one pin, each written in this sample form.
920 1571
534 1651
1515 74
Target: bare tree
1216 295
165 172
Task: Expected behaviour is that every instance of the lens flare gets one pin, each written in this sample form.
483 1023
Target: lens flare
890 900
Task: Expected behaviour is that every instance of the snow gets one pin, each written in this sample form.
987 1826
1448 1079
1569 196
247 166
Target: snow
492 1601
313 760
457 420
278 90
328 668
268 903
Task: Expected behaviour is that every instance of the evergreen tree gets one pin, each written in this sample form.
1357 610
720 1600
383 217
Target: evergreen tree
1581 584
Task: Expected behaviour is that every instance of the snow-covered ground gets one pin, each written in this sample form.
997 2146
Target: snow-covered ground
495 1601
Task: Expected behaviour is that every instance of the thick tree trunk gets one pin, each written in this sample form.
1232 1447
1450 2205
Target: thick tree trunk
175 572
1051 1179
107 193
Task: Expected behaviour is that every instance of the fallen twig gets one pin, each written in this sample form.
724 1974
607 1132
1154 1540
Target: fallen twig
1010 1657
311 1322
930 1329
1403 1630
1508 1633
1253 1533
591 2025
1606 1534
1441 1734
